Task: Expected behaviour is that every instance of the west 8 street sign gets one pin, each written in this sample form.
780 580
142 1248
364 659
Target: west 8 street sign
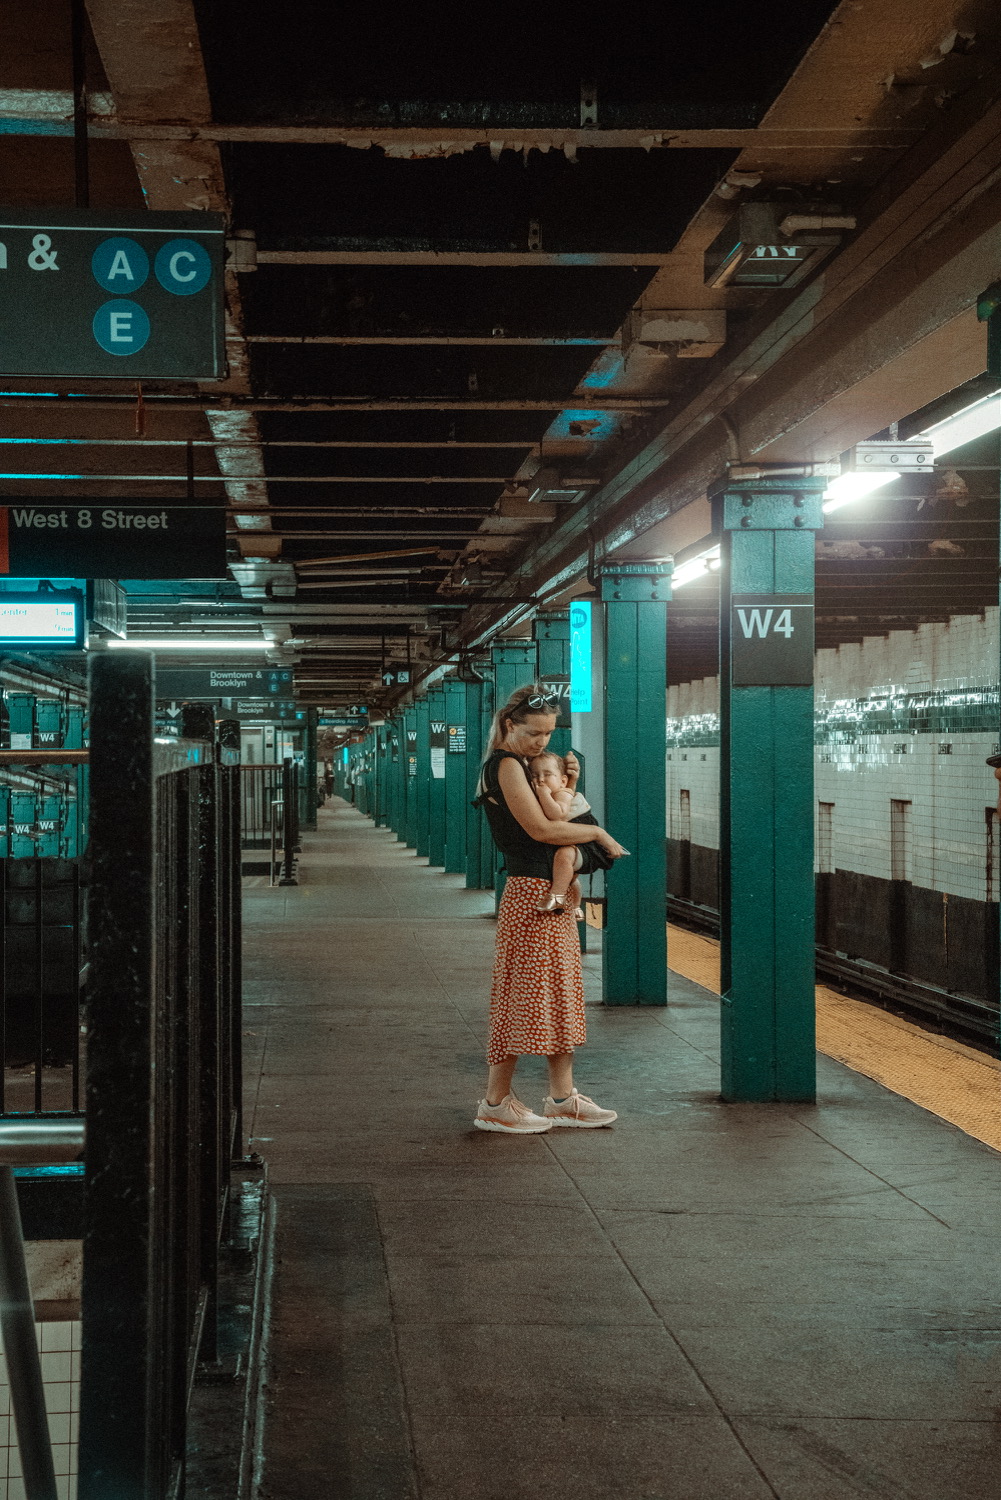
129 297
113 540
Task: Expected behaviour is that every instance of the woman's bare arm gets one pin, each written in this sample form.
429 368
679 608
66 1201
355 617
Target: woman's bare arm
525 808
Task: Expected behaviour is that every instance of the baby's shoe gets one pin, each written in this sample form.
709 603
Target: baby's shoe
553 903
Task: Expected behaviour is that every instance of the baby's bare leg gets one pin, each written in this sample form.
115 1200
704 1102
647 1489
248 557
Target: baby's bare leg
564 861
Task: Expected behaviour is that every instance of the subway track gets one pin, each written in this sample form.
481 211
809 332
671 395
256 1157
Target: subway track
959 1017
949 1078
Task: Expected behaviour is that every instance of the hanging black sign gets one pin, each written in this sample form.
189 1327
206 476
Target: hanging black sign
107 540
223 682
123 296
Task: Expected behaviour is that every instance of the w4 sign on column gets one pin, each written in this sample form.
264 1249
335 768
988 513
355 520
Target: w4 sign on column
772 640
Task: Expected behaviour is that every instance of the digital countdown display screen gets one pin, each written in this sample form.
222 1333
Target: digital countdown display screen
34 622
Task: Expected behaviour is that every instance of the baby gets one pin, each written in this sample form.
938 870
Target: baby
556 788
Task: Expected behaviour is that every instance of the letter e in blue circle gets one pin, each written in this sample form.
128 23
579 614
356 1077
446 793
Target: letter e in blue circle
119 265
182 267
121 327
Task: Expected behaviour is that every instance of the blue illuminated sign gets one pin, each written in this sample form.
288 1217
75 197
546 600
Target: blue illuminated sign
580 656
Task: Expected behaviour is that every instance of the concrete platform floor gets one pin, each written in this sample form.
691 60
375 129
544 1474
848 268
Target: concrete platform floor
706 1302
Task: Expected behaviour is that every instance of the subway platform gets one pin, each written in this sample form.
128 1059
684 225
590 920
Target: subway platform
706 1302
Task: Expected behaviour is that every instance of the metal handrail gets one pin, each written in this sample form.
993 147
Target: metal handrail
27 1143
276 817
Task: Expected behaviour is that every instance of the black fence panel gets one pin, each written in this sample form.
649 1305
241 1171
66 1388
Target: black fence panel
162 1080
40 985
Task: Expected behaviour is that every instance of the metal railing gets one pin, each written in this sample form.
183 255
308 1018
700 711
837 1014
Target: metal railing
32 1143
40 943
259 786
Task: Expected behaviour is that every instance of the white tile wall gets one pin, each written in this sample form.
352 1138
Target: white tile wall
949 793
59 1344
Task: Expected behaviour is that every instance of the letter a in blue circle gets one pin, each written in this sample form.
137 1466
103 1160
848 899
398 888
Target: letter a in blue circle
119 265
182 267
121 327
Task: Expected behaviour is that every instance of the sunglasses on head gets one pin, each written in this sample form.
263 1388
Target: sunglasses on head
542 700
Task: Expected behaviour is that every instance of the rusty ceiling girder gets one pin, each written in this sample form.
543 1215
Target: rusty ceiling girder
888 327
134 117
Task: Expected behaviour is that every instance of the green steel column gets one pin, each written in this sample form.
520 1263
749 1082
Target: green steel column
400 779
456 754
410 776
481 876
551 629
767 528
515 664
378 775
635 596
478 842
436 834
395 774
423 789
362 788
309 761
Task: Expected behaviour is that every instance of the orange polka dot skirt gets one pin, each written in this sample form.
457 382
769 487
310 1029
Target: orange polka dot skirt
537 998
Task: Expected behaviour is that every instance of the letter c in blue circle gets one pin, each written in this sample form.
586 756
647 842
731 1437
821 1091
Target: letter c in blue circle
121 327
119 265
182 267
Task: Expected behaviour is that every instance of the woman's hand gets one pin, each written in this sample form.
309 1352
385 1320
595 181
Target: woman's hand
610 845
573 766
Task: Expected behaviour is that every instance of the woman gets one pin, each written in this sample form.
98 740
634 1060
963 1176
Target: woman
537 999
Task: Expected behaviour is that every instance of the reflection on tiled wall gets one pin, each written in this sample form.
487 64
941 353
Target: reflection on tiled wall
60 1350
909 717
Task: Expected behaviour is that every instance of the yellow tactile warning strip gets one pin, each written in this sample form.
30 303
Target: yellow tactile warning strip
955 1082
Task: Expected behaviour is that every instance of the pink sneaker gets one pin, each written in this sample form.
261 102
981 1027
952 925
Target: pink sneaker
578 1111
511 1117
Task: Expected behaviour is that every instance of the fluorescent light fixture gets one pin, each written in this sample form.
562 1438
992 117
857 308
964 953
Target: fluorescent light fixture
972 422
696 567
174 643
853 486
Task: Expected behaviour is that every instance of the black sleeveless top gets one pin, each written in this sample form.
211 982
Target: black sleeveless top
523 855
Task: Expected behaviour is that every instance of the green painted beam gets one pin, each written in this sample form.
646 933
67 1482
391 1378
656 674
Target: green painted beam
457 751
635 596
767 527
423 789
514 664
478 841
436 836
551 629
483 875
410 777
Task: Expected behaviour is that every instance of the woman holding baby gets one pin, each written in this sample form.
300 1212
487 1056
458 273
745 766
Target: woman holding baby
537 998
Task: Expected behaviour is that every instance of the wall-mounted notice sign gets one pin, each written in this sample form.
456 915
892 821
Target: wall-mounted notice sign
125 296
108 540
223 682
437 748
580 656
456 743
